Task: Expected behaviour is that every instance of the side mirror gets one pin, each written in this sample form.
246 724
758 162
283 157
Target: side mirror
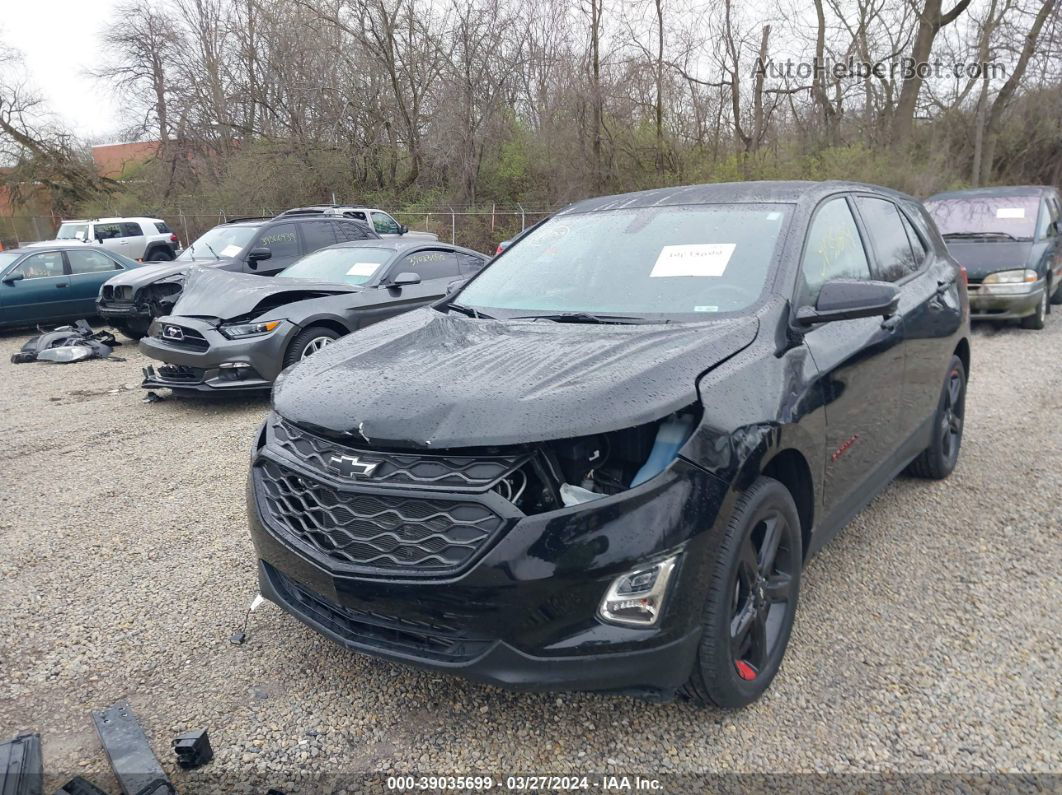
11 278
847 299
455 285
256 255
402 279
402 229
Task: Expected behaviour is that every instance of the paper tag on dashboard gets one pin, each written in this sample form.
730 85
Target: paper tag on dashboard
701 259
1010 212
362 269
231 251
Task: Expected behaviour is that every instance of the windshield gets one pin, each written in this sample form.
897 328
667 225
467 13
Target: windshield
344 265
652 261
72 232
995 216
221 241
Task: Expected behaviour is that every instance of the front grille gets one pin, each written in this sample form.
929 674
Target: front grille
374 532
182 337
435 639
179 373
119 293
423 470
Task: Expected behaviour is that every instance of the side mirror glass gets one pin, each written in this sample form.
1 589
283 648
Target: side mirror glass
407 277
847 299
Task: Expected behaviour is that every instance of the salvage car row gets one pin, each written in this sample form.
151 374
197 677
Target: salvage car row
601 461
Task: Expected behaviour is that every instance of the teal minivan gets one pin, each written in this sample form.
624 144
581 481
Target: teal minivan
46 285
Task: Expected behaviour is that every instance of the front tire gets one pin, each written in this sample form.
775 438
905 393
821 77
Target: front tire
308 342
1036 320
752 600
938 460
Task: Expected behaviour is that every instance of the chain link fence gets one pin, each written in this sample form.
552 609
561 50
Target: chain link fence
478 228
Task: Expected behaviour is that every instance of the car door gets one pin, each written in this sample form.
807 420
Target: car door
282 240
110 235
34 290
134 241
860 363
89 269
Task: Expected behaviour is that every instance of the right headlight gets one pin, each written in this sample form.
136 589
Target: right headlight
239 330
1023 276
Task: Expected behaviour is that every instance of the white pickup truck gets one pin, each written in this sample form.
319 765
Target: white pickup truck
147 239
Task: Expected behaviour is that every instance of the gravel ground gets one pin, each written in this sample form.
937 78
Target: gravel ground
927 640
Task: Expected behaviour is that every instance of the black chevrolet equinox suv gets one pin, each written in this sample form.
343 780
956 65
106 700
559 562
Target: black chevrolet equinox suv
602 462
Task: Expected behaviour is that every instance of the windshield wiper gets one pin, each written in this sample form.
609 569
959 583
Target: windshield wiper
1003 235
589 317
212 250
467 310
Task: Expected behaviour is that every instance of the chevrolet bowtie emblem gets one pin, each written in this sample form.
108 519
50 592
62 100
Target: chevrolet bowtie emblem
350 466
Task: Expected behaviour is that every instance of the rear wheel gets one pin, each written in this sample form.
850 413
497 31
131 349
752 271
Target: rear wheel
752 600
308 342
1036 320
938 460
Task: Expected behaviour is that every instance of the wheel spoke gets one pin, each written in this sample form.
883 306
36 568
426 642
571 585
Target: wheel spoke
772 536
954 390
749 560
740 625
758 648
779 587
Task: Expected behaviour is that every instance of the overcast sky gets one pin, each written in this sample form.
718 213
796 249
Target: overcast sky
59 40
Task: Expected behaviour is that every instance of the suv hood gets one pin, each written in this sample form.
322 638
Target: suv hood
431 380
226 296
982 257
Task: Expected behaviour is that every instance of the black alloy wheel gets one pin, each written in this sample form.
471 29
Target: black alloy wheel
938 460
752 600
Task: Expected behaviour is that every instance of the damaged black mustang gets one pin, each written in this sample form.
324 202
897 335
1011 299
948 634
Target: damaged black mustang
232 332
603 462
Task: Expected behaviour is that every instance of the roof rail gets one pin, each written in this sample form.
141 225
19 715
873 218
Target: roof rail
248 218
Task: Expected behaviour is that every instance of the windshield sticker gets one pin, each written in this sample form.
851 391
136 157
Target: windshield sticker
362 269
705 309
1010 212
702 259
774 216
231 250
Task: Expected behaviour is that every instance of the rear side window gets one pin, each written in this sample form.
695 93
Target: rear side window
349 230
162 228
470 263
894 258
130 229
432 264
89 261
918 248
833 250
317 234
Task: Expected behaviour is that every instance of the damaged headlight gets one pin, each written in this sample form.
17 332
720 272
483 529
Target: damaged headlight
239 330
636 597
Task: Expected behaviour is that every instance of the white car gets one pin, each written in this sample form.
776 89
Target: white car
146 239
379 221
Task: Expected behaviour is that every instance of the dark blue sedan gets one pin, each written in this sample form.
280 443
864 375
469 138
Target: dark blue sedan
54 283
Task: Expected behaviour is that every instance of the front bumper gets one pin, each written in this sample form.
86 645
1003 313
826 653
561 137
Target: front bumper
522 613
991 302
210 367
122 310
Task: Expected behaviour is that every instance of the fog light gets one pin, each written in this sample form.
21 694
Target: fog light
637 597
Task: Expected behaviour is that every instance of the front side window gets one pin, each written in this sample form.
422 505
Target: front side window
221 241
281 240
342 264
833 250
108 231
89 261
680 260
1000 217
41 266
892 247
385 224
432 264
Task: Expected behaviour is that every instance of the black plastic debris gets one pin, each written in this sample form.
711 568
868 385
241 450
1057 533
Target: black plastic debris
134 764
193 749
21 767
79 786
67 344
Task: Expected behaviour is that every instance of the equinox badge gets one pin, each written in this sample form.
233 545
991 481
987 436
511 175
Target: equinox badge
350 466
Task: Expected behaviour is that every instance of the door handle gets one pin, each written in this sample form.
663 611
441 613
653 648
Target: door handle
61 285
890 323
